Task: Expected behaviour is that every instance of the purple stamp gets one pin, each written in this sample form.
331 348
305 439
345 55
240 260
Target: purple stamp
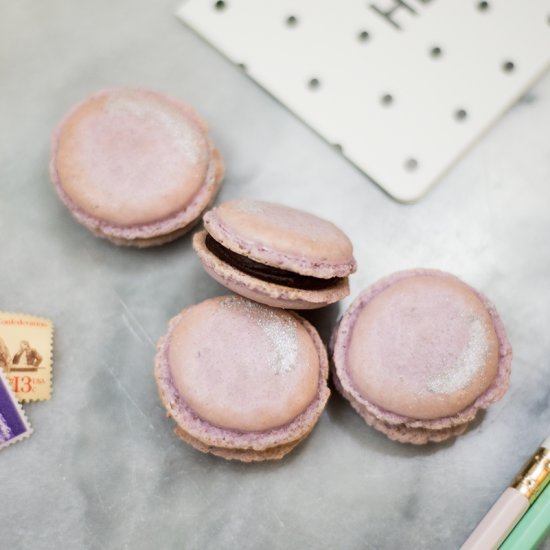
14 425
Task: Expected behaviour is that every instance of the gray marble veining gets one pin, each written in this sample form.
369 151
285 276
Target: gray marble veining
103 468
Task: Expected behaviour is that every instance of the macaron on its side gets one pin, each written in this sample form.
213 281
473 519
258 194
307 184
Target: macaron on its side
268 293
250 400
276 255
282 237
135 166
444 355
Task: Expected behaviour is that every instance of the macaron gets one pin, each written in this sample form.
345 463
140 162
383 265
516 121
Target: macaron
242 380
135 166
275 255
419 353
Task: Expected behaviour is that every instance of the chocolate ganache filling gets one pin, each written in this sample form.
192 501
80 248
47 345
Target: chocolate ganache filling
266 272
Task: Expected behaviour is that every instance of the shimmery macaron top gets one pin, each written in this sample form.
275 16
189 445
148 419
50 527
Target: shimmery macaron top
425 345
243 366
282 237
131 157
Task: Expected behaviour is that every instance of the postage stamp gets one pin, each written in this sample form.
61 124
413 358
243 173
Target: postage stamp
26 355
14 425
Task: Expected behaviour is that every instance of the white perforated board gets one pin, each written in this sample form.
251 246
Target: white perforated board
404 87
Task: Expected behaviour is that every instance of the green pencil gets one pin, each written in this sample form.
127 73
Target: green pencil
533 527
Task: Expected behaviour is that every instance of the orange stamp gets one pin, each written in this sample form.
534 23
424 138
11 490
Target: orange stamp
26 355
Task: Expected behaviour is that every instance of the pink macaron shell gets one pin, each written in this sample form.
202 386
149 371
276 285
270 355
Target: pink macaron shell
487 392
425 347
131 157
262 444
243 455
134 166
262 383
282 237
402 433
264 292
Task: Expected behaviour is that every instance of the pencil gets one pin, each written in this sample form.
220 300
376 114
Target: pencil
513 503
533 527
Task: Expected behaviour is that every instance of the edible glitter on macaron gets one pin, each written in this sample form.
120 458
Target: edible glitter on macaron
418 353
280 331
470 361
241 379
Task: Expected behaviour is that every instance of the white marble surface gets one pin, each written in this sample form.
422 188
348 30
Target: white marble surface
103 468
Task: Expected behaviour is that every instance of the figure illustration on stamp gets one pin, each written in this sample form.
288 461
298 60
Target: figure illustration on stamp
32 357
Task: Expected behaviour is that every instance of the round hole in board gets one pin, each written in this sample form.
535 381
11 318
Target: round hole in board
386 99
411 165
483 6
508 66
241 66
436 52
461 114
314 84
363 36
220 5
338 147
291 21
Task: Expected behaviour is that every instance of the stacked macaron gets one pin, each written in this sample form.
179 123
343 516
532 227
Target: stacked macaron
419 353
242 380
134 166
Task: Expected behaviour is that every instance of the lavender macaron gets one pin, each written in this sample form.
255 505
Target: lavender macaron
419 353
135 166
275 255
242 380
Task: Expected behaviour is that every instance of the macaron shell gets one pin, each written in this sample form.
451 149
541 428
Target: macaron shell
164 232
244 455
403 433
144 242
415 436
346 386
131 157
235 444
264 382
97 179
282 237
261 291
425 347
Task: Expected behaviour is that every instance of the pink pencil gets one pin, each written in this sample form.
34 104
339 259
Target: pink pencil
513 503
